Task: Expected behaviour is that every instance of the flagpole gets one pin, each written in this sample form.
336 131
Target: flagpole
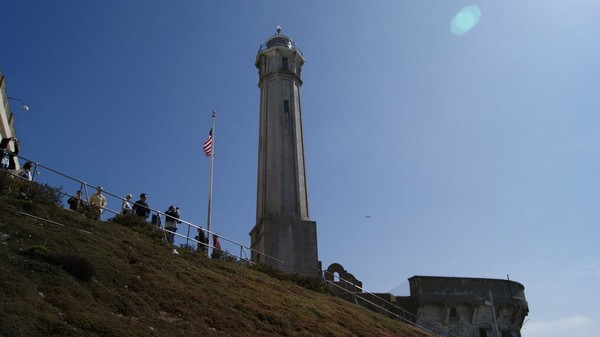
210 181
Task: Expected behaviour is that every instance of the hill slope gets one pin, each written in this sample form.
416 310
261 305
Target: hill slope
90 278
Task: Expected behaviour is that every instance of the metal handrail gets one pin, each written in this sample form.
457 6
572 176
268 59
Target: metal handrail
243 249
84 188
404 312
272 43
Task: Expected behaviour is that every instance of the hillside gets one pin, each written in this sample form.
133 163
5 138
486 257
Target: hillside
90 278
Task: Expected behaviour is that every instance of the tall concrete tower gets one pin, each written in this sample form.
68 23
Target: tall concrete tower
283 230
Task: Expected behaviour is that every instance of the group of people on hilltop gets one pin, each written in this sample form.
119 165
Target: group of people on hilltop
139 208
97 203
9 159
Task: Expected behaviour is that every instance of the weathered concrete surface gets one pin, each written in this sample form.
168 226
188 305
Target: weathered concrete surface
283 228
462 305
447 306
292 244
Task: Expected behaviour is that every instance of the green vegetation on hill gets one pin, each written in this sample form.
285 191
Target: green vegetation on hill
91 278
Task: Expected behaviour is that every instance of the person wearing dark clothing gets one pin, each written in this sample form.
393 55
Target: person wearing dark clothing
76 203
140 207
26 171
7 157
171 220
202 239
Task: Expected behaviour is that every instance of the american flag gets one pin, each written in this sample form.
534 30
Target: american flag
208 145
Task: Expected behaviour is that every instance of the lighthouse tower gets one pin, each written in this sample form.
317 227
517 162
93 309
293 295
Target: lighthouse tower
283 230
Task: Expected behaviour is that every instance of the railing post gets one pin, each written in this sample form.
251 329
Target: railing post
187 237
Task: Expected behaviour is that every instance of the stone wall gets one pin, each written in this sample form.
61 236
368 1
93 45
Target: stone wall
447 306
462 306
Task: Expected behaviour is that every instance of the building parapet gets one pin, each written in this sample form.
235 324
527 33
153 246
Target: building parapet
429 289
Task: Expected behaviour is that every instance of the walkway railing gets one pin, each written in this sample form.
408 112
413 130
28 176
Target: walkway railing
279 42
228 246
245 252
403 315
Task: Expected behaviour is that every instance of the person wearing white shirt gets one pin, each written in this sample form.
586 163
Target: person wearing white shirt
126 205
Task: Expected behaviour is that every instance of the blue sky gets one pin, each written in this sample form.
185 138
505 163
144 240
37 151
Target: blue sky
475 155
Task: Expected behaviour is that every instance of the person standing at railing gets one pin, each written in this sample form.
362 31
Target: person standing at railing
26 171
126 205
97 203
141 207
8 161
171 220
76 203
203 239
217 252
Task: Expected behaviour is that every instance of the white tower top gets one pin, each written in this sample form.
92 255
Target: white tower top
279 40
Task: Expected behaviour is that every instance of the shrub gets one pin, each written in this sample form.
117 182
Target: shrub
216 253
229 257
72 264
130 220
15 187
139 225
37 251
45 194
223 255
5 182
312 283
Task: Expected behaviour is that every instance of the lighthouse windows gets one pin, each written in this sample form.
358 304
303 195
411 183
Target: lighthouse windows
284 63
286 106
286 110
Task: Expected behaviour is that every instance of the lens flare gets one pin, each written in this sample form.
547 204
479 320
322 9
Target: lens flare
465 20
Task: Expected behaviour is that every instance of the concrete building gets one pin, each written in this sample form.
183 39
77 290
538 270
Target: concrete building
283 230
7 118
469 307
446 306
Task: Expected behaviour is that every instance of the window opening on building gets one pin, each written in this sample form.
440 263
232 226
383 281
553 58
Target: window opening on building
286 106
284 63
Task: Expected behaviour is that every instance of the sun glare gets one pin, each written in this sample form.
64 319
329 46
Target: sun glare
465 20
